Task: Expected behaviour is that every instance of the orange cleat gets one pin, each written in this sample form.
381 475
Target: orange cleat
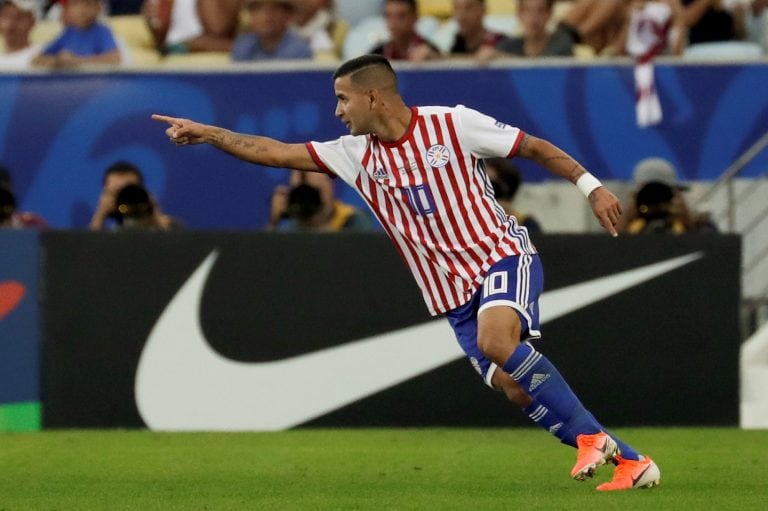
632 474
594 450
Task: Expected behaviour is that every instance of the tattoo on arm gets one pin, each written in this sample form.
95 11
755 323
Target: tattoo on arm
576 172
242 141
230 141
573 174
552 158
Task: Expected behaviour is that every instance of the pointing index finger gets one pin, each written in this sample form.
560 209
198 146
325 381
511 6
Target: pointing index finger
164 118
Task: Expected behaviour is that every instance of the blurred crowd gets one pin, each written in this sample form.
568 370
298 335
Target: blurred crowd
70 33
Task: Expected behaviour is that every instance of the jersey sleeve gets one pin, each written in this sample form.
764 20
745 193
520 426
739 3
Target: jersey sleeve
486 137
341 157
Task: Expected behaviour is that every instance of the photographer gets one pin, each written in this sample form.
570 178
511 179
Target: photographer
135 209
659 205
658 211
309 205
135 201
10 216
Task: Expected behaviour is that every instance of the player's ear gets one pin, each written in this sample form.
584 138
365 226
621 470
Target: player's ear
373 98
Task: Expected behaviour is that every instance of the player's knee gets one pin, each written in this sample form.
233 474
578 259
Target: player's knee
498 344
487 344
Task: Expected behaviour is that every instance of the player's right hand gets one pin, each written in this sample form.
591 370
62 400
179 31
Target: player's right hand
182 131
606 208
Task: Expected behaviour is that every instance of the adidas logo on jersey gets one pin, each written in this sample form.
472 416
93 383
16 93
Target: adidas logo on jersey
536 380
554 429
379 173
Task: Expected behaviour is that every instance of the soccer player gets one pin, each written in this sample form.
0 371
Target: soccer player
420 170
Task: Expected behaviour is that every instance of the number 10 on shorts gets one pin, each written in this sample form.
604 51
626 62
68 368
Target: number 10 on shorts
496 282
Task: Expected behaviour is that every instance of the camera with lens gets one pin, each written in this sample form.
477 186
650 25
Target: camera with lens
7 204
133 207
654 206
304 202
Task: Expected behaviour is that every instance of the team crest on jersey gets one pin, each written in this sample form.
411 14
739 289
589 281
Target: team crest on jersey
438 155
379 173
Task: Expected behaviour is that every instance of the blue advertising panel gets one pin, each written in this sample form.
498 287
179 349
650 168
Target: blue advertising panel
58 132
19 331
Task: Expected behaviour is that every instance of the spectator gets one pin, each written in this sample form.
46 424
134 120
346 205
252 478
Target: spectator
536 40
84 39
654 28
136 209
183 26
309 205
315 21
10 217
596 24
658 205
711 21
505 179
124 202
270 36
17 19
404 43
473 38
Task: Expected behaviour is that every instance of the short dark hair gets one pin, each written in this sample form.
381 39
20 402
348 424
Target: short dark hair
411 3
368 71
123 167
354 65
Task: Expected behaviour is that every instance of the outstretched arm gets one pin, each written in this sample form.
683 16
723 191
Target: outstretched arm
605 205
254 149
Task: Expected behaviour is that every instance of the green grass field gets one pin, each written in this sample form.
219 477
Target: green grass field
702 469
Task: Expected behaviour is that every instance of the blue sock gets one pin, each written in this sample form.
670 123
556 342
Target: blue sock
550 421
627 452
544 383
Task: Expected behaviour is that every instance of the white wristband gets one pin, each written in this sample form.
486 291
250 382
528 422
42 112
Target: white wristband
587 183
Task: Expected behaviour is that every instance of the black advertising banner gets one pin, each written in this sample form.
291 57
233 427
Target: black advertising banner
256 331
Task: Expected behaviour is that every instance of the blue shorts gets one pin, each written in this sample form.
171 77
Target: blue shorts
515 282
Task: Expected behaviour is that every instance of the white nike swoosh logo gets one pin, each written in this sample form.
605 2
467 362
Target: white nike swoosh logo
183 384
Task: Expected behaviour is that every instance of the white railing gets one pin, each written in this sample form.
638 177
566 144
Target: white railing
740 205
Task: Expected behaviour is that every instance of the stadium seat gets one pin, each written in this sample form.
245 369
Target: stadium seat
443 9
501 7
134 38
45 31
726 50
201 60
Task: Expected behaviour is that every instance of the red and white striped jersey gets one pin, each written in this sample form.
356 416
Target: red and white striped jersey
431 193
